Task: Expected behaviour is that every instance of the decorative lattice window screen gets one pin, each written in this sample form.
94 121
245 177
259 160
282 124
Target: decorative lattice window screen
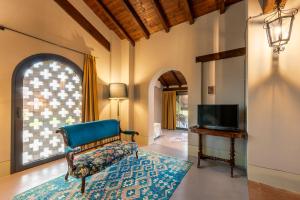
51 99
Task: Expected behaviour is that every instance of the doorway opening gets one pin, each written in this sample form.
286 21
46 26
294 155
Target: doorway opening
171 110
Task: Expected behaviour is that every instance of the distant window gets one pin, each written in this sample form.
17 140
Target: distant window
182 111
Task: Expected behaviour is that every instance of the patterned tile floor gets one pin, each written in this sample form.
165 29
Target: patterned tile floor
210 182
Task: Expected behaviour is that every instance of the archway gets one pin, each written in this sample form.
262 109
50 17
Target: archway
172 81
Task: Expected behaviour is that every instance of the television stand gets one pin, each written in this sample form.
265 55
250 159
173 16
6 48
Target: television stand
219 133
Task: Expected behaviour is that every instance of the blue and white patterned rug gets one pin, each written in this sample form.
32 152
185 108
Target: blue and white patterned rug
152 176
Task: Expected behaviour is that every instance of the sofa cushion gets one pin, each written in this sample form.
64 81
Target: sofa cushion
94 161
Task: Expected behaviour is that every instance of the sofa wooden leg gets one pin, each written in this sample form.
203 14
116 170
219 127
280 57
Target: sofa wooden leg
137 155
67 176
82 185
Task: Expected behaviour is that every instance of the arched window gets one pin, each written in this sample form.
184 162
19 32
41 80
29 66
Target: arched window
46 95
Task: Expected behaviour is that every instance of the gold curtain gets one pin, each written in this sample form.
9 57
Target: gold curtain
169 110
89 90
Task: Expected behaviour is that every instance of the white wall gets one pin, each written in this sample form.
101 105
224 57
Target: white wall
126 76
157 102
208 79
230 89
47 20
177 50
273 106
228 77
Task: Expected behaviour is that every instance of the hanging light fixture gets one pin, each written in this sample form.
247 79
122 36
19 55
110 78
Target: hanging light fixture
278 26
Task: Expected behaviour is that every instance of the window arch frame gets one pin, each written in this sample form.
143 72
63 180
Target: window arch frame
17 105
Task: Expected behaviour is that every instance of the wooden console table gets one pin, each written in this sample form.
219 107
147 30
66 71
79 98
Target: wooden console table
227 134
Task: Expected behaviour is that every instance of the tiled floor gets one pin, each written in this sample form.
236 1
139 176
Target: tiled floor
211 181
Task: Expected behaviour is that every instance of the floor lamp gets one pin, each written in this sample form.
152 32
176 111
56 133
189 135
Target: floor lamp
118 91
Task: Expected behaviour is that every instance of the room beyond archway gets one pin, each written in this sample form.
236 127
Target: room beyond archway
170 105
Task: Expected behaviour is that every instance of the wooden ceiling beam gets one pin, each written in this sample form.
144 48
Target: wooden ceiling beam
188 11
223 4
177 79
176 89
163 81
83 22
161 15
222 55
230 2
270 5
136 17
116 22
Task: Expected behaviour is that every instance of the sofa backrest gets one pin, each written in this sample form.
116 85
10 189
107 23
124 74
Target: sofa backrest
85 133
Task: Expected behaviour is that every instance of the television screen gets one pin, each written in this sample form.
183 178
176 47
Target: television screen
223 117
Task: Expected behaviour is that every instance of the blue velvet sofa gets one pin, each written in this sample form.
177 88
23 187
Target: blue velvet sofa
107 147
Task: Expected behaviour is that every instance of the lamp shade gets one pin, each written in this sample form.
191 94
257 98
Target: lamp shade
118 91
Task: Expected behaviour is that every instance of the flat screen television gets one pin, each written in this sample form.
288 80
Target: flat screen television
219 117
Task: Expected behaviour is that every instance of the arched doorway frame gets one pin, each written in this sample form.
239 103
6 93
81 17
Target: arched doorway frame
155 77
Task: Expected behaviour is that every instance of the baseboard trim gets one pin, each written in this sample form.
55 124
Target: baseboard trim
274 178
260 191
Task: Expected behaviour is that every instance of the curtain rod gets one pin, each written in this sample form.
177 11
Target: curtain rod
3 28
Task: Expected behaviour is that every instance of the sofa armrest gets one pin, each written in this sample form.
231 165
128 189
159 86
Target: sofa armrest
70 157
69 151
130 132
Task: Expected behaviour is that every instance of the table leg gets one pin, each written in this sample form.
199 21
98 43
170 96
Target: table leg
232 154
199 150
